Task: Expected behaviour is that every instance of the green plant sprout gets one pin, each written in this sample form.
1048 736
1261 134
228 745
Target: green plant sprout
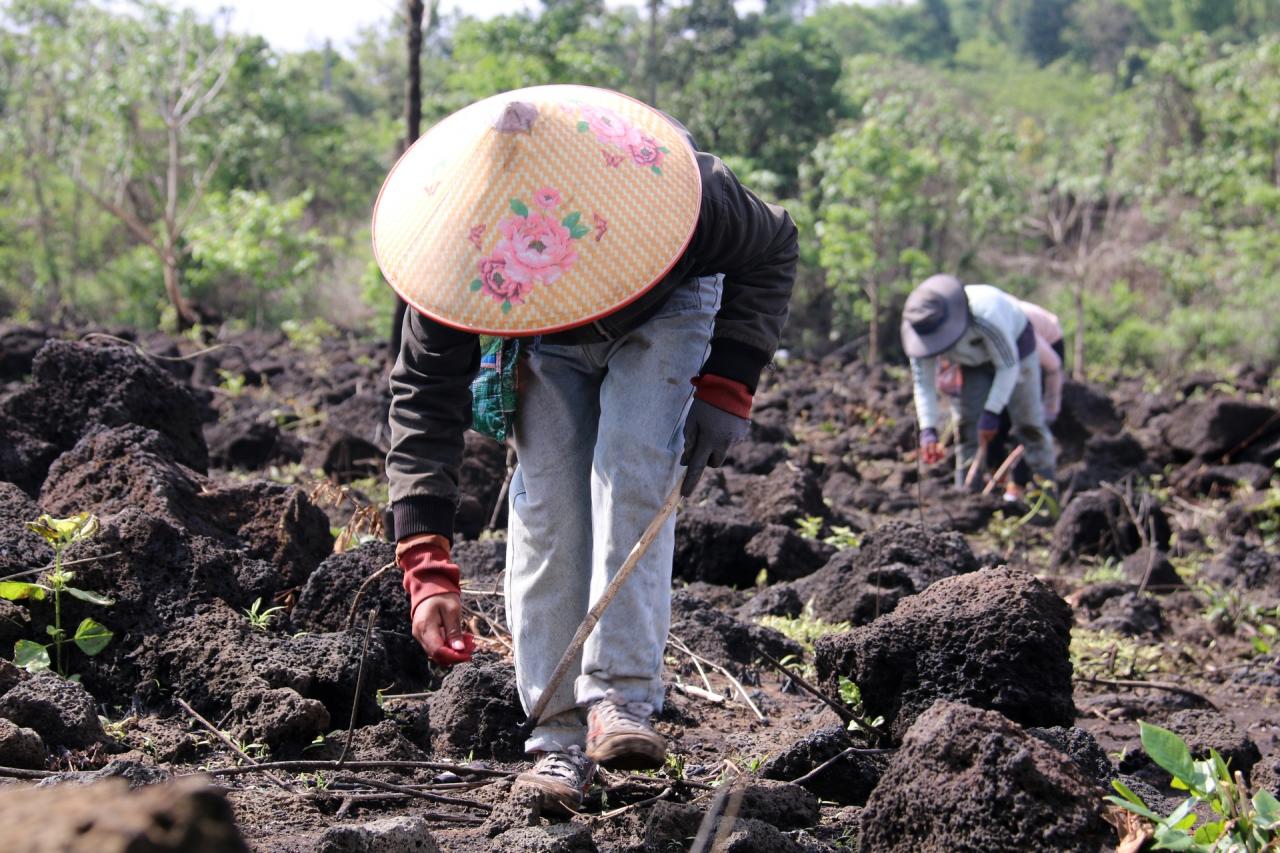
1248 825
843 538
259 619
90 636
231 383
851 695
810 527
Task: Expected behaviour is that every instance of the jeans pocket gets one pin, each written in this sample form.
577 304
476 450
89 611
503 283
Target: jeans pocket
686 297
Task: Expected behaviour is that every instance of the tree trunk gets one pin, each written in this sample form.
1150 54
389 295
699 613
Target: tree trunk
186 316
1077 367
873 330
651 55
412 123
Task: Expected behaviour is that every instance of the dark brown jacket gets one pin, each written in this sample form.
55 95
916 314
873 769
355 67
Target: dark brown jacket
753 244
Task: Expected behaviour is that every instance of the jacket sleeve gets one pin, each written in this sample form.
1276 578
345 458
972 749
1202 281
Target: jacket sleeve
756 246
430 411
924 373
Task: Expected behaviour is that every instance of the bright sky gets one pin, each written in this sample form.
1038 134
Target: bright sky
302 24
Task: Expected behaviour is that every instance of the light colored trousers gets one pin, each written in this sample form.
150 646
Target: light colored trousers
1026 411
599 433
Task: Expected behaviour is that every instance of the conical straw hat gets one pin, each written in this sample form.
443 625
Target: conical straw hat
537 210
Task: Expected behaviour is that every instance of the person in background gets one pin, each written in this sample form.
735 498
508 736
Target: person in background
586 225
987 335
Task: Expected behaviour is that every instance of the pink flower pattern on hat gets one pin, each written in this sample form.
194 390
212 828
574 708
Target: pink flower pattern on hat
532 249
611 129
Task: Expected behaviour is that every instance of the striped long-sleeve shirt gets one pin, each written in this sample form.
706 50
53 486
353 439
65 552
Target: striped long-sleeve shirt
996 324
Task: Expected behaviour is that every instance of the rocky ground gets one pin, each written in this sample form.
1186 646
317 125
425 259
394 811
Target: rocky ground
1008 650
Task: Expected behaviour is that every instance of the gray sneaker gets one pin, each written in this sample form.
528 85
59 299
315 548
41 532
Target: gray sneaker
619 735
558 779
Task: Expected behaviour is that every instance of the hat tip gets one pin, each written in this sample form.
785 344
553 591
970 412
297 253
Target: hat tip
516 117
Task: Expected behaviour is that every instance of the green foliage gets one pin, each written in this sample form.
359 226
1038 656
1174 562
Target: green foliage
260 618
90 636
806 628
1241 823
851 696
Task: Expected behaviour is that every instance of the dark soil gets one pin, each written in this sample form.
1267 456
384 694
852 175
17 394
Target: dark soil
219 497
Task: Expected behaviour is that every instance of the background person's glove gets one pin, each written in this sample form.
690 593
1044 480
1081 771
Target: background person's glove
988 426
435 600
931 452
719 416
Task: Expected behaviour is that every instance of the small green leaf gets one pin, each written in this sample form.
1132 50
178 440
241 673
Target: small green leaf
1268 810
91 597
17 590
1207 833
1168 750
506 306
583 127
664 149
56 633
571 220
519 207
92 637
31 656
656 171
1141 811
577 232
476 285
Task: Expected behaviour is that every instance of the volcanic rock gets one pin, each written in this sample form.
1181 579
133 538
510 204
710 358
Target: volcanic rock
967 779
1208 429
20 747
711 543
785 496
398 834
1097 523
996 638
20 549
895 561
720 637
61 711
186 816
786 554
1082 747
477 710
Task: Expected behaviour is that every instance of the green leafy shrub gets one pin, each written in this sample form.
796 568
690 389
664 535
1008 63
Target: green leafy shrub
90 636
1244 824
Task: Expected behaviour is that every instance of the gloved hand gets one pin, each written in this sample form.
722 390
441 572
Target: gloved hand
931 452
719 416
435 601
988 426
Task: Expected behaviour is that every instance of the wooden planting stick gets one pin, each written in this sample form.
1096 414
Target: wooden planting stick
1005 467
593 616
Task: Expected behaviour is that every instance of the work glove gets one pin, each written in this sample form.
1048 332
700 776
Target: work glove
988 426
435 598
931 451
719 416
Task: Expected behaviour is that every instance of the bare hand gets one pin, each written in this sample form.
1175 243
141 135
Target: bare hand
437 626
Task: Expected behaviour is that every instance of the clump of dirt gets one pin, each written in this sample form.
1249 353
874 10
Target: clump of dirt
186 816
1211 429
711 546
20 549
1083 749
997 638
476 710
721 638
785 554
61 711
896 560
1203 729
968 779
21 747
77 386
1098 523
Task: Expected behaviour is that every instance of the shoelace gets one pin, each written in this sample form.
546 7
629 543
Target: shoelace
616 712
570 766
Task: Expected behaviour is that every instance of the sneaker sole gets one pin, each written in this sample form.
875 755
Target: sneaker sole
554 799
628 752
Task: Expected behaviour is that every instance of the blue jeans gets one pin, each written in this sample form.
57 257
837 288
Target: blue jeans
1026 412
599 433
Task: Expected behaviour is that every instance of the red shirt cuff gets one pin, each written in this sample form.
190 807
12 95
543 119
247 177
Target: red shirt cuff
727 394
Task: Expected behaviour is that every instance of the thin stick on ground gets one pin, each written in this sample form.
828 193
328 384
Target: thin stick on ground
330 764
230 744
979 460
845 753
66 565
662 795
1154 685
742 691
840 708
414 792
21 773
355 604
355 699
